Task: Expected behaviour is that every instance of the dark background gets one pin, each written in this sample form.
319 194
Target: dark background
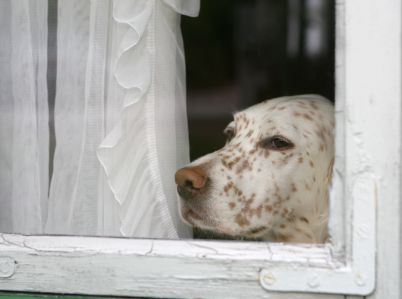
241 52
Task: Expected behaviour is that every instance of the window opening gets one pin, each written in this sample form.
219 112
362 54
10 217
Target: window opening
239 53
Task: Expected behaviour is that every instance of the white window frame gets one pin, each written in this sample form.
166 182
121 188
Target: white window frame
223 269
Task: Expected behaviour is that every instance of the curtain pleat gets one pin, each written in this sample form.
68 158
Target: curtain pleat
69 115
24 131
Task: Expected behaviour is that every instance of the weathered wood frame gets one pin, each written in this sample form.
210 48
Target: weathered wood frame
211 269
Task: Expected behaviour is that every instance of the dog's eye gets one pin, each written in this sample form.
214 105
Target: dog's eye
276 143
230 133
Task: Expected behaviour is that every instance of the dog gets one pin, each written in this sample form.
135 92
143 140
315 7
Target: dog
270 181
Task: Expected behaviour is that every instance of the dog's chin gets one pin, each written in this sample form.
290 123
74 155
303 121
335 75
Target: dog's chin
189 216
201 220
196 218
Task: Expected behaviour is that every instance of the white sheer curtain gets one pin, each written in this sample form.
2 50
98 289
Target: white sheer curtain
120 118
24 134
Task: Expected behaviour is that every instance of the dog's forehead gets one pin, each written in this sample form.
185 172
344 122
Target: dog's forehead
288 112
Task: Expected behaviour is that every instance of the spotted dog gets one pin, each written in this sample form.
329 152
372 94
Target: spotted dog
270 181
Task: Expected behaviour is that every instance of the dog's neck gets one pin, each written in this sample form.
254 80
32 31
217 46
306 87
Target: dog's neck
299 232
304 225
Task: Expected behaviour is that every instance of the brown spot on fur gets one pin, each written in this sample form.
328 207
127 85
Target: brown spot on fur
251 212
283 238
228 186
241 220
300 160
232 205
277 204
308 117
311 164
268 208
224 163
321 134
247 204
308 236
287 158
304 219
252 152
313 105
256 230
291 218
245 165
259 211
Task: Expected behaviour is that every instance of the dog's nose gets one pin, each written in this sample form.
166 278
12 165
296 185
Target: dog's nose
190 180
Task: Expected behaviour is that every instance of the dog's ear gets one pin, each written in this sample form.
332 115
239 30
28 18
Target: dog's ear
329 171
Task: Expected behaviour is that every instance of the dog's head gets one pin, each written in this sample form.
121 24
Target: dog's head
270 180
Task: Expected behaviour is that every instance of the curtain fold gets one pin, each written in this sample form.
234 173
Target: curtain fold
72 194
24 133
119 117
152 130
